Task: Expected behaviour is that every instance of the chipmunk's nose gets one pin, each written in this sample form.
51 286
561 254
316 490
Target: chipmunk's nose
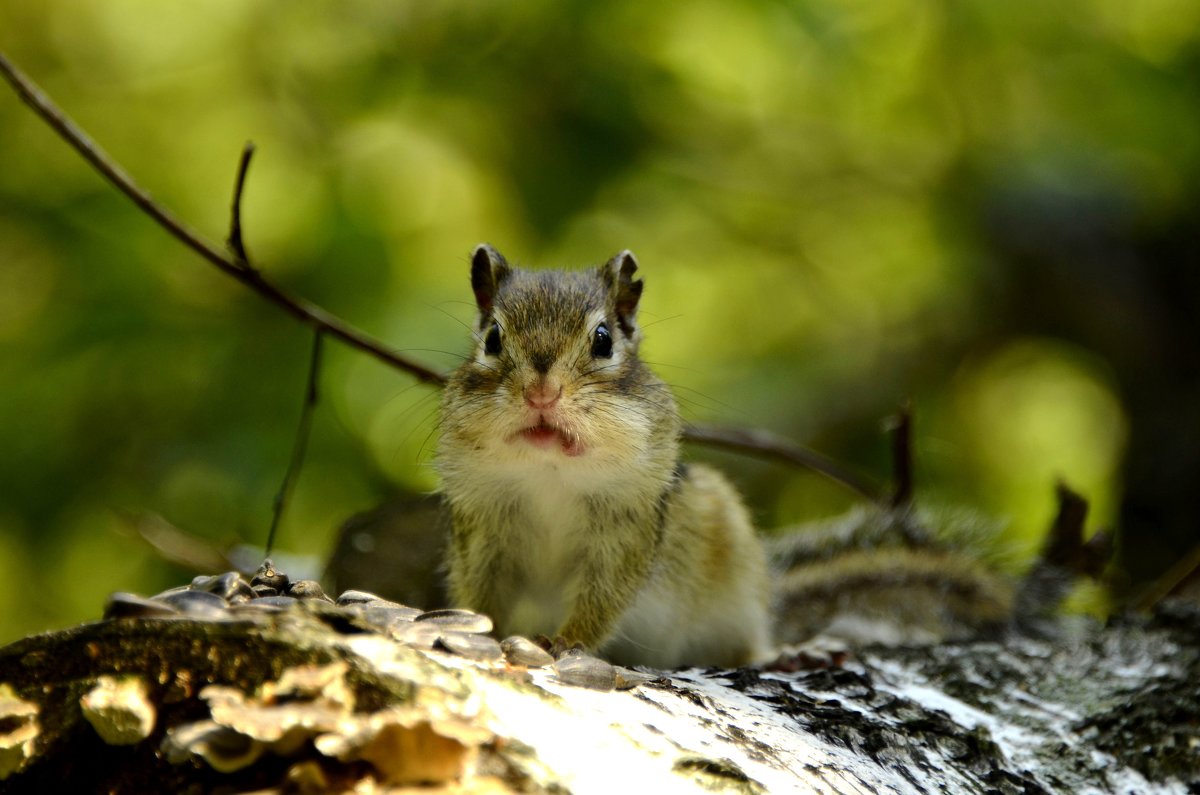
543 394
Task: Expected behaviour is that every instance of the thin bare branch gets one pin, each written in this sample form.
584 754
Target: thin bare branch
301 443
304 311
235 243
182 549
902 457
748 441
1184 570
770 446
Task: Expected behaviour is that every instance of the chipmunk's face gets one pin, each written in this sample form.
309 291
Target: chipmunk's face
554 378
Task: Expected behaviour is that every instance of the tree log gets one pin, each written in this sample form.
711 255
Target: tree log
304 700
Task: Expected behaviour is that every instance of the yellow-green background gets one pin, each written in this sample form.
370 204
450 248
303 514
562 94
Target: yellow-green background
824 197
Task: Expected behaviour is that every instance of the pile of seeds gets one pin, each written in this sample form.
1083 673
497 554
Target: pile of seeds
230 597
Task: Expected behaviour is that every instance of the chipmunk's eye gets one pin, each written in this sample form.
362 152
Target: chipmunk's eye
491 343
602 342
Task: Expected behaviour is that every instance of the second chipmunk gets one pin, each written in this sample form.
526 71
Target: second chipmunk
572 514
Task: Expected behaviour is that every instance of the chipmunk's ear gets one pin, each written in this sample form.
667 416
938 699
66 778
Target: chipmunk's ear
619 275
488 270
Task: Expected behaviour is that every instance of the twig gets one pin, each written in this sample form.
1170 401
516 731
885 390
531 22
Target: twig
768 445
304 311
301 444
238 247
902 457
1173 580
1065 546
1064 541
1064 556
182 549
753 442
235 221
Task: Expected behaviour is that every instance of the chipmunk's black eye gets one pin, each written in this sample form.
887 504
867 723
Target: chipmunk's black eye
491 343
602 342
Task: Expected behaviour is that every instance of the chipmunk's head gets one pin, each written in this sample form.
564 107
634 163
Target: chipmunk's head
555 374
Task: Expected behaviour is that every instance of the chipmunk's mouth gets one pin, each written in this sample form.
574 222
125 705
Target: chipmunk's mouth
549 437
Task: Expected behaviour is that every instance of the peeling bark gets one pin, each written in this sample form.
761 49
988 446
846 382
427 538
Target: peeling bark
308 703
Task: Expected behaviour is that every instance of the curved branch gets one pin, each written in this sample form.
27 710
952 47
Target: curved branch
308 313
311 395
773 447
235 243
746 441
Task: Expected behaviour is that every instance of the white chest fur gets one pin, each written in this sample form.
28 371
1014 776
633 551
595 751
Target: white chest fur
544 529
552 529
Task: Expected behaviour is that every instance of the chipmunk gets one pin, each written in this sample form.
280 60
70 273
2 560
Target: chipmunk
572 516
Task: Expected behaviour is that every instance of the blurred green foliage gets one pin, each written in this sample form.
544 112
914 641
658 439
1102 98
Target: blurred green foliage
837 204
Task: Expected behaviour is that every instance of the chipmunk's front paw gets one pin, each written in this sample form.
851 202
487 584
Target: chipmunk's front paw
558 645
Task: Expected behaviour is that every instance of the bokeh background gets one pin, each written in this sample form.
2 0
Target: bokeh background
988 208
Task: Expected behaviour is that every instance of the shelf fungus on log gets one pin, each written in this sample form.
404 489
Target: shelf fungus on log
119 709
18 731
306 695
